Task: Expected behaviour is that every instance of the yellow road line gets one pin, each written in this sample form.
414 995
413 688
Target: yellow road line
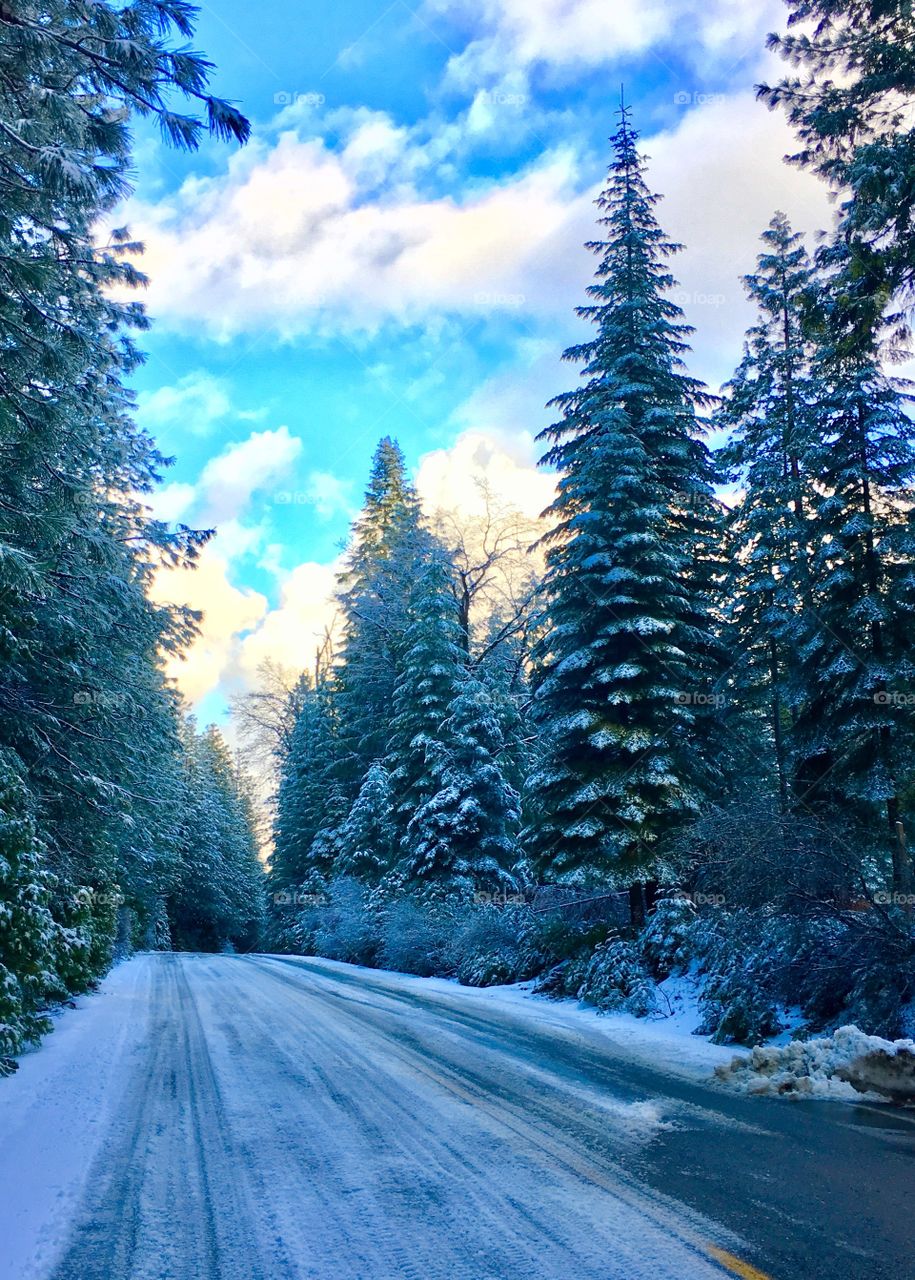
736 1265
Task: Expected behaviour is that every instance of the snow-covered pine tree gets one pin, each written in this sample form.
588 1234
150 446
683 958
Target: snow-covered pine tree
855 727
366 838
85 714
428 674
217 900
769 411
374 605
851 105
309 800
625 664
463 839
28 934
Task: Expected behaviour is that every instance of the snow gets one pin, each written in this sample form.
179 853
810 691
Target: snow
340 1146
843 1065
56 1111
667 1043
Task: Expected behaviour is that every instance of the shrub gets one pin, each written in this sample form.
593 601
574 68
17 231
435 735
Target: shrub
488 947
347 927
415 938
616 979
668 939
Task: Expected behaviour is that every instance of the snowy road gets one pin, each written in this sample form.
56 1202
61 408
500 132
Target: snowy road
262 1119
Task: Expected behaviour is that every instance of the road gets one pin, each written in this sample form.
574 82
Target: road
266 1118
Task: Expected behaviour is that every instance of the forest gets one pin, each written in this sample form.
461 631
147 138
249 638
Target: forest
668 728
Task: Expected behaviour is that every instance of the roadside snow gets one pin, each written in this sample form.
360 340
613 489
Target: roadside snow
56 1110
842 1065
667 1043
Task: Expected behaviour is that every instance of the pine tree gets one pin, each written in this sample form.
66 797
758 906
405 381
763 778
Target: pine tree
217 901
428 675
851 106
85 713
625 661
385 544
366 837
310 799
855 728
28 934
463 838
770 413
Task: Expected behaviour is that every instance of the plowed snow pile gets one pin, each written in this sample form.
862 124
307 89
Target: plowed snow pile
826 1067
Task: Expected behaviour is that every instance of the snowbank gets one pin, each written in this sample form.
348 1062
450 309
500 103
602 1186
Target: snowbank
832 1066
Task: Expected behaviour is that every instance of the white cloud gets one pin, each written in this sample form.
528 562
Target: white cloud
511 36
195 404
231 478
286 240
723 176
229 612
291 633
173 501
457 478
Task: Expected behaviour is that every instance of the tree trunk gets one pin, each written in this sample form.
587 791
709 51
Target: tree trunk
636 905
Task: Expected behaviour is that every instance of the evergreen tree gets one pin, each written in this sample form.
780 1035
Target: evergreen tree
855 727
770 413
217 901
310 800
463 838
28 934
85 713
852 107
366 837
626 659
385 544
428 675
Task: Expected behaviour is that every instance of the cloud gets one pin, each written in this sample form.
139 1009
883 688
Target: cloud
508 37
458 478
228 613
231 478
723 176
288 241
195 404
291 633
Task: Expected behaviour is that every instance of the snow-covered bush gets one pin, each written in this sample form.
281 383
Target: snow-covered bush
668 939
616 979
347 927
415 938
488 947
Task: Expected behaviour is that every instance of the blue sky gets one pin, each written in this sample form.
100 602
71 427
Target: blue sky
399 251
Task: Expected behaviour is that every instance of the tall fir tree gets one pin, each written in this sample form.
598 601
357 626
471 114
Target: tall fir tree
769 412
366 837
855 728
463 839
626 660
385 543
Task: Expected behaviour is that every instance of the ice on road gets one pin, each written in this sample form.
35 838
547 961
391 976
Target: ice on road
214 1117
